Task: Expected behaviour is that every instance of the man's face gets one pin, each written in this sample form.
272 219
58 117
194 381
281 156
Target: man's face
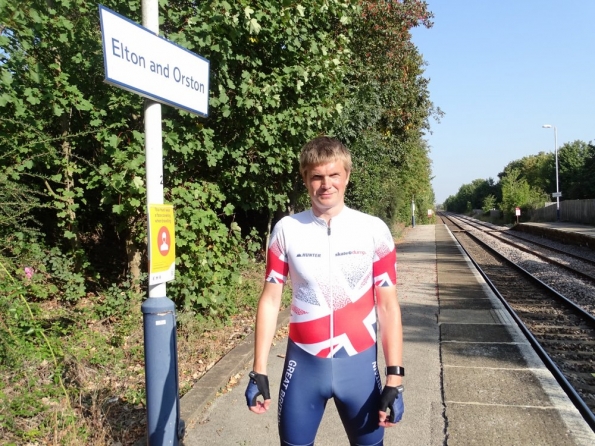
326 184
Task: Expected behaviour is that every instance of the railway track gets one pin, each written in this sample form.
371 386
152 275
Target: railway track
557 316
582 254
566 272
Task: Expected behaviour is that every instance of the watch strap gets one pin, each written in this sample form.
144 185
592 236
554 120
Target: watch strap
395 370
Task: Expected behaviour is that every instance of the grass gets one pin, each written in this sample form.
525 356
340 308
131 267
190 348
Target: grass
74 374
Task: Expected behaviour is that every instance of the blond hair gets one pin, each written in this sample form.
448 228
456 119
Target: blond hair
322 150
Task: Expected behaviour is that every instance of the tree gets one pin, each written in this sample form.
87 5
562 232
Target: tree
489 203
472 195
538 170
386 110
281 73
516 192
572 159
588 172
277 70
56 129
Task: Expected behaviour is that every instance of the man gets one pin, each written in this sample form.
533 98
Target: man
342 265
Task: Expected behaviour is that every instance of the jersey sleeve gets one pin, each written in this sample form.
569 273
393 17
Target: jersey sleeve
277 266
385 256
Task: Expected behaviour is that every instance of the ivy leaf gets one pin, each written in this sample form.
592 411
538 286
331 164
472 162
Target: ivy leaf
35 16
58 110
5 98
254 27
32 96
138 182
113 141
6 77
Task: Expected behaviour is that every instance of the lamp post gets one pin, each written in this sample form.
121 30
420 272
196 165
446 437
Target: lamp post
548 126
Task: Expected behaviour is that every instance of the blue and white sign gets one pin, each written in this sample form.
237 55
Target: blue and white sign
140 61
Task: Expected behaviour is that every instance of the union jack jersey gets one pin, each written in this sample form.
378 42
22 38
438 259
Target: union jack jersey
334 269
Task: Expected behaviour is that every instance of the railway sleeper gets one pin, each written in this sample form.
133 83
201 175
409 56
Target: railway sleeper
570 329
570 353
571 343
583 387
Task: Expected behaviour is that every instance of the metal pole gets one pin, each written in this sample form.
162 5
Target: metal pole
548 126
557 182
413 212
159 320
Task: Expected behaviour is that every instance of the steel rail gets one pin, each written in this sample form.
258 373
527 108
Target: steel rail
491 232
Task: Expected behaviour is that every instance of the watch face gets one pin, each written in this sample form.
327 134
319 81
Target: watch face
252 375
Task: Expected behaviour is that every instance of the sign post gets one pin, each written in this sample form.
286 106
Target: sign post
557 196
138 60
517 211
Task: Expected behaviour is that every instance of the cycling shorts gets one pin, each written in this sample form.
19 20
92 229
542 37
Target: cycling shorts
309 381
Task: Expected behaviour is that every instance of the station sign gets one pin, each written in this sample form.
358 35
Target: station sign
162 243
557 194
139 61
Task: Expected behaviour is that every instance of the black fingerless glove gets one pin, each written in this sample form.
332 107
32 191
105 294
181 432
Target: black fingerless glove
391 402
258 385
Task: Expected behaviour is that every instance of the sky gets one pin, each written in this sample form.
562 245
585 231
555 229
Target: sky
500 70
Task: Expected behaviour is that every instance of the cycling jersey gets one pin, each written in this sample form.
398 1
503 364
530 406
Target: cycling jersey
332 334
333 270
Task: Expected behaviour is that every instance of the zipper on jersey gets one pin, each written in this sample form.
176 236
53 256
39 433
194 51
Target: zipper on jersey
330 275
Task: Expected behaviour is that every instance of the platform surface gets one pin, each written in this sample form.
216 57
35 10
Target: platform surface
562 231
472 378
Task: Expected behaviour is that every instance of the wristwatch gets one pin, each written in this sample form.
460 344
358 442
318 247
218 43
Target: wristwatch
400 389
395 370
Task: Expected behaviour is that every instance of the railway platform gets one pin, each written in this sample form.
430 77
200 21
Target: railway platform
472 377
564 232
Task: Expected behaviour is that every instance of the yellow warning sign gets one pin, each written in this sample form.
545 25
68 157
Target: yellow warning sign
162 243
